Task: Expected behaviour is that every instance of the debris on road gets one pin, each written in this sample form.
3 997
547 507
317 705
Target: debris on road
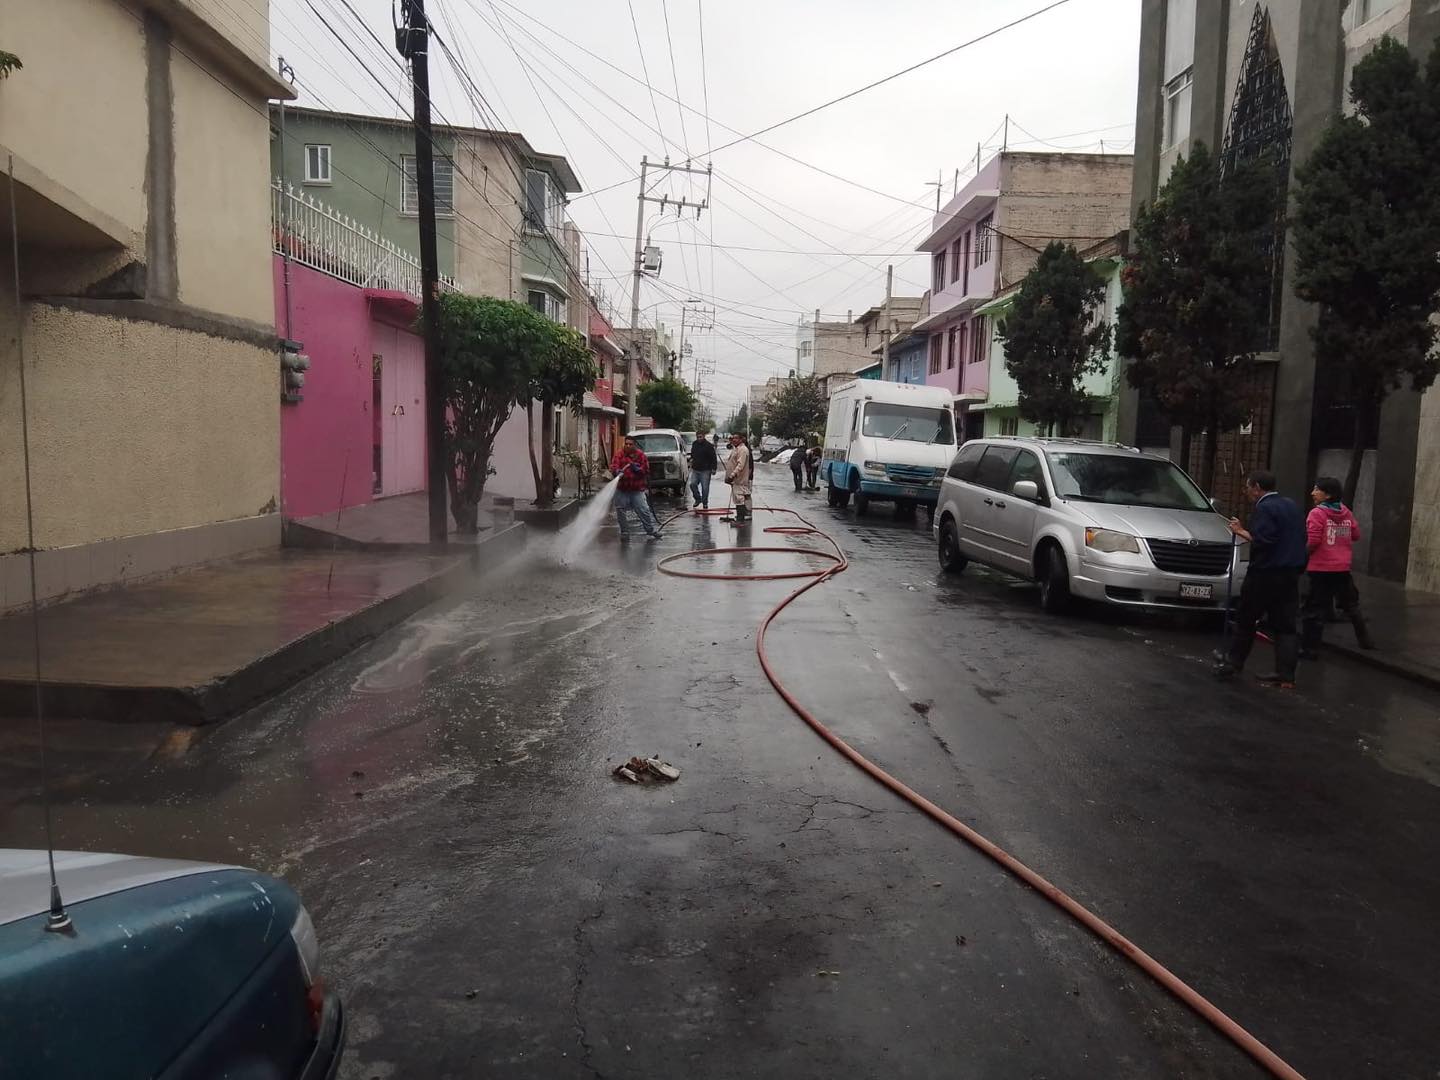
639 769
823 974
921 707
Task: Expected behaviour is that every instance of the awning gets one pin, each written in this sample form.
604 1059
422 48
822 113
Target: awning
954 311
593 404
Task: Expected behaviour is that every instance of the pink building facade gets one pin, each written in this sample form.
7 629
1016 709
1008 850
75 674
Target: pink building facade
359 431
964 257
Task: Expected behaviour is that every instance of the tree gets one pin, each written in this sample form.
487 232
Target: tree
797 410
701 418
562 371
488 351
1197 294
1052 339
1366 232
668 401
757 428
739 419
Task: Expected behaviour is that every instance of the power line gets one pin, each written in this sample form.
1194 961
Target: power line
644 68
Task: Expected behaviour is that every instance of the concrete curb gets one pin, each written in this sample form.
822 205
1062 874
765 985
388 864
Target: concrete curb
550 518
1381 661
268 674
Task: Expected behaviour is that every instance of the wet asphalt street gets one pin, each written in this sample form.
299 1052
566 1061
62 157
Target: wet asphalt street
493 904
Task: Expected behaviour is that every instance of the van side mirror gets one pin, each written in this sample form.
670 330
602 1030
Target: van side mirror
1026 489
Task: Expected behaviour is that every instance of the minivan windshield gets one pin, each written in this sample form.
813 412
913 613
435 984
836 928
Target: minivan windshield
908 423
1124 481
658 444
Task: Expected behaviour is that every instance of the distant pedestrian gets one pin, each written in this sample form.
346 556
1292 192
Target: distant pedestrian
1332 533
812 468
703 461
1278 554
740 475
797 464
633 468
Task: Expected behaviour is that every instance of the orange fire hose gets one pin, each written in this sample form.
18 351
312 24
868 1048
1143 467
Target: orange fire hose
1072 907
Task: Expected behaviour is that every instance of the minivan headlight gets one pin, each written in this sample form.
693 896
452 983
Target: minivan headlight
1107 540
875 466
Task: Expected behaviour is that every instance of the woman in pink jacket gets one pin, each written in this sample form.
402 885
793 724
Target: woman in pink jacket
1332 532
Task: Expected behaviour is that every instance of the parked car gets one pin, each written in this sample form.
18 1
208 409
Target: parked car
888 441
1088 519
170 969
669 465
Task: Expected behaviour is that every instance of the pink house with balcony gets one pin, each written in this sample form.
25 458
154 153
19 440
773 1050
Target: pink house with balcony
988 236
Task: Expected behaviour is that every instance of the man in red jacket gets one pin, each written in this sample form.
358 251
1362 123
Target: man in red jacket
1331 532
633 468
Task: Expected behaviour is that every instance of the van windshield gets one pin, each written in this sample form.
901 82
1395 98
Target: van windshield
908 423
1124 481
658 444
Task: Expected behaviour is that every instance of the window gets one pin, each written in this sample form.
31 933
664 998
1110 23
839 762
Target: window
1362 11
552 307
1177 110
1123 480
444 186
952 351
937 272
962 343
979 340
967 461
982 239
995 467
1027 467
965 266
908 423
937 345
543 201
956 259
317 163
1009 425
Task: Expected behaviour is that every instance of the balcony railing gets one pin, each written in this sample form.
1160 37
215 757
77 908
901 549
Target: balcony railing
316 236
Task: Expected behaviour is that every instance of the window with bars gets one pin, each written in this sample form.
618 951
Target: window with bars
983 235
956 260
937 272
317 163
937 345
1009 425
979 340
543 201
444 186
951 352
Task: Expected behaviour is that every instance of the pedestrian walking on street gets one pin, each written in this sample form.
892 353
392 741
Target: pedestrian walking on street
633 468
812 468
1332 533
1278 555
703 460
740 475
797 464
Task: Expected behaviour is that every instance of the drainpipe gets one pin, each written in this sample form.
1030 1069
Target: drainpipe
288 74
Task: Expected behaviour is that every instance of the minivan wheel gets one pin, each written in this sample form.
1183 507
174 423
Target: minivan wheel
951 561
1054 582
862 504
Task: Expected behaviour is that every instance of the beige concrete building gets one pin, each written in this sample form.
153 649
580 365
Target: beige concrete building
146 312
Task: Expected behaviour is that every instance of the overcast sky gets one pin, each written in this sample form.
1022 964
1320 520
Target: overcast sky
1067 77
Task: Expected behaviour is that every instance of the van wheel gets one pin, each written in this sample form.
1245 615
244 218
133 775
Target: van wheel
951 561
1054 582
862 504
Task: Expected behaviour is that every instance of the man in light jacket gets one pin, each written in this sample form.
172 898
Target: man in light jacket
740 475
1331 534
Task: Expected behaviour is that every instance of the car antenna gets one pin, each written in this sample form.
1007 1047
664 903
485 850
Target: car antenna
58 920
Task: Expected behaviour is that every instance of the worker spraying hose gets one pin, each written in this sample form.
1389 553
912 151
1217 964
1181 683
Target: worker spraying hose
632 468
740 475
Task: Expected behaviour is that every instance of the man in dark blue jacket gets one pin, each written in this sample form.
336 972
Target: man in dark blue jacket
1272 587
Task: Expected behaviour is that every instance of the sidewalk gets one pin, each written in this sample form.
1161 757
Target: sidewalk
1406 626
398 522
205 643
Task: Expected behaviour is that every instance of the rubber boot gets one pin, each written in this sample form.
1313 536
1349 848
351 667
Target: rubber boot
742 514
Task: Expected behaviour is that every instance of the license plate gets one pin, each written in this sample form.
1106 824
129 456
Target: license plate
1197 592
910 493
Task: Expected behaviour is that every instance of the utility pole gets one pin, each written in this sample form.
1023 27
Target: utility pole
636 346
885 341
412 41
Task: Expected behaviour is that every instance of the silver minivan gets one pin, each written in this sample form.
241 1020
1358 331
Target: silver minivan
1095 520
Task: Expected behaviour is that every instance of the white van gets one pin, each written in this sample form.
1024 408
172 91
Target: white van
887 440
